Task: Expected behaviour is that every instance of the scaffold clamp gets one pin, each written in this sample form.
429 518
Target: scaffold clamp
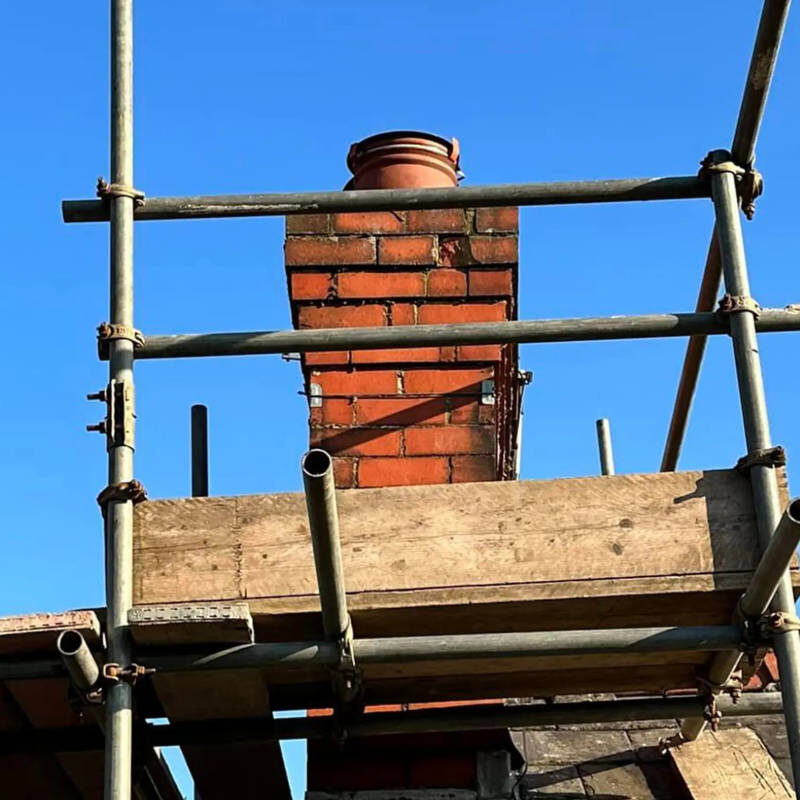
749 181
777 622
764 457
107 332
348 677
115 673
737 303
122 492
106 190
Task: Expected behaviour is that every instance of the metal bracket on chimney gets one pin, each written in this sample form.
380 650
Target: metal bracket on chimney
487 392
314 395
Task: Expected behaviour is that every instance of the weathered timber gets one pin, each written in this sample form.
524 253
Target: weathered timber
727 764
30 633
626 550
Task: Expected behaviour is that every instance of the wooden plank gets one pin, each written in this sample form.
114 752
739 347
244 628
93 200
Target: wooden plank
728 764
31 633
460 549
248 770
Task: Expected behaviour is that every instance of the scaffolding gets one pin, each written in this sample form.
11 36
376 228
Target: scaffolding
766 611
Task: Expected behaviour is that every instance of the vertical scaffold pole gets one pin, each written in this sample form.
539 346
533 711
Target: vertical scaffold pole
119 512
199 451
604 446
763 477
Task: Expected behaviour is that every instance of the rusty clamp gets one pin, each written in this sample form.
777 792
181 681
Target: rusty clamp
122 492
115 673
764 457
348 677
107 331
777 622
738 303
106 190
749 181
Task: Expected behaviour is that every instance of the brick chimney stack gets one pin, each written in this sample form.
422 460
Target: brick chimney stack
409 416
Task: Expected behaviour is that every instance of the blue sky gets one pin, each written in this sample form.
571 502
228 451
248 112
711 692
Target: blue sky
259 96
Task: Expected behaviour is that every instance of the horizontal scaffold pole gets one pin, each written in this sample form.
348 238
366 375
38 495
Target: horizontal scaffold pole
579 329
81 738
510 194
406 649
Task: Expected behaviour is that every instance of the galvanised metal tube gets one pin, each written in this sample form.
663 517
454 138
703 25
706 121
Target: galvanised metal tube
119 513
511 194
405 649
579 329
604 446
763 478
78 738
754 101
323 520
199 451
774 562
78 660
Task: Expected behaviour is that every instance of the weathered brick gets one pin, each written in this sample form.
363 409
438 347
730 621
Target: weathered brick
324 250
357 382
402 471
446 283
449 440
446 771
332 357
471 469
400 411
572 747
454 251
442 381
357 441
369 222
434 313
403 313
341 316
307 223
443 220
344 472
333 411
385 284
310 285
411 355
494 249
490 282
495 220
415 250
479 352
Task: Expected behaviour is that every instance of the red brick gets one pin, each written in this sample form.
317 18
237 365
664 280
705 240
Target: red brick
369 222
336 773
449 440
479 352
494 249
332 357
492 220
403 313
409 355
418 250
490 282
344 472
341 316
402 471
446 771
400 411
357 382
307 223
357 441
443 220
433 313
447 283
310 285
384 284
318 250
454 251
333 411
470 469
441 381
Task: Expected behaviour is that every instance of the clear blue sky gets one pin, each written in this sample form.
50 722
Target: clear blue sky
259 96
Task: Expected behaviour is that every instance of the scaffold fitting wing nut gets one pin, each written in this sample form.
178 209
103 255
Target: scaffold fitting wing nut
749 181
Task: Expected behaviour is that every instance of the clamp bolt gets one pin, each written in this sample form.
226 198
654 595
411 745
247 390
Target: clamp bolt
100 427
101 396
